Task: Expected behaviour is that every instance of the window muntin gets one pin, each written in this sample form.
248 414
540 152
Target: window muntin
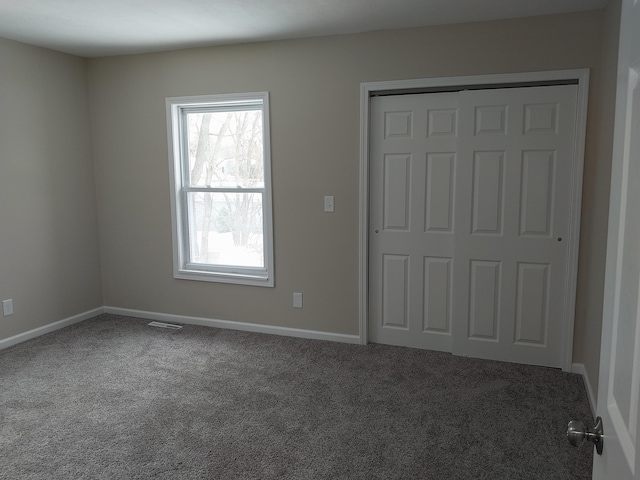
221 196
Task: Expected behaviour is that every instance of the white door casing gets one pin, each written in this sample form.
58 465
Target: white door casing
618 390
430 295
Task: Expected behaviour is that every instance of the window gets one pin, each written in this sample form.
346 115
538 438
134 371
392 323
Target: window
221 188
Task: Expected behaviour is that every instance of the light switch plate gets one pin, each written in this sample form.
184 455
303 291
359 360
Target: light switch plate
329 204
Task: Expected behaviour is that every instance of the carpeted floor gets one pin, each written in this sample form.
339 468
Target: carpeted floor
112 398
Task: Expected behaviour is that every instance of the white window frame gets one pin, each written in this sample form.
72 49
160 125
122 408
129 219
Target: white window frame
177 107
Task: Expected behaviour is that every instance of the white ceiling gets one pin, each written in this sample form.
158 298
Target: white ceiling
92 28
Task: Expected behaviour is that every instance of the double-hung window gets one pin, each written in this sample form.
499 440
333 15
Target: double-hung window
221 188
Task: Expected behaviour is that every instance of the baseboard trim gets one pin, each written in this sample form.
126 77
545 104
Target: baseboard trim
580 370
51 327
231 325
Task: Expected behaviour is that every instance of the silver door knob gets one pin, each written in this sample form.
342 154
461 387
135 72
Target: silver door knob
578 433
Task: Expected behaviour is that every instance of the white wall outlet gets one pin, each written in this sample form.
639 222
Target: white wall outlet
7 307
329 203
297 300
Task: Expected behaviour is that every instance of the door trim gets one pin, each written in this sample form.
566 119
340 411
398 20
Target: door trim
578 76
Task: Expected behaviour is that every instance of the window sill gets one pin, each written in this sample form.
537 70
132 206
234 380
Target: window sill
233 278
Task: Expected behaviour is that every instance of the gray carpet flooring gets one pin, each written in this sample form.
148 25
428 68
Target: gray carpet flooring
112 398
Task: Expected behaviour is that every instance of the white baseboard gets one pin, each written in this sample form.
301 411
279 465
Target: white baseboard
164 317
230 325
36 332
579 369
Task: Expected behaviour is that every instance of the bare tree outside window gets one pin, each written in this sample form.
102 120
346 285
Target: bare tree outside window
226 154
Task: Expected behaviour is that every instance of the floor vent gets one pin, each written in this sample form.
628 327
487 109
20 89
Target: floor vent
170 326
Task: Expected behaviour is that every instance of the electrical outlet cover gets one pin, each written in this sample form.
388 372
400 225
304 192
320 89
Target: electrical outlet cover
7 307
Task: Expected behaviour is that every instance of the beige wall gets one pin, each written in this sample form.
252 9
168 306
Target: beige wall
49 260
595 213
314 86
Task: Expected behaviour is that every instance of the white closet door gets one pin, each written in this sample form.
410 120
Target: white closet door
413 165
469 212
512 222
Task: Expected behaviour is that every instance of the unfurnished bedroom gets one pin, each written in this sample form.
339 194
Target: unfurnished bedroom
319 239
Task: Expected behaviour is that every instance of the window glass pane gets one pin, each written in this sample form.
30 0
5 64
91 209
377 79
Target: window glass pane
225 149
226 229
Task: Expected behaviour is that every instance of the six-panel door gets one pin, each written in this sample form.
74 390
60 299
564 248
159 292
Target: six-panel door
469 215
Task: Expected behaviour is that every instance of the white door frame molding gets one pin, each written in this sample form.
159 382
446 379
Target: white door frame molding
578 76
